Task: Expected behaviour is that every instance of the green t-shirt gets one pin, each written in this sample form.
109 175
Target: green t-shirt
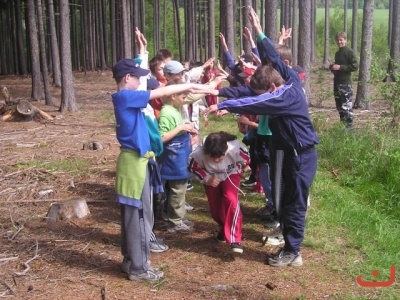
170 118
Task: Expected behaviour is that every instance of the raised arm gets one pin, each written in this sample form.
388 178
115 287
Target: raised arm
230 62
267 47
284 35
247 35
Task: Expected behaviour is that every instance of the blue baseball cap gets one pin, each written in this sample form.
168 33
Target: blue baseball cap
128 66
152 83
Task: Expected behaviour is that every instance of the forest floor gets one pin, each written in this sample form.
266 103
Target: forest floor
80 258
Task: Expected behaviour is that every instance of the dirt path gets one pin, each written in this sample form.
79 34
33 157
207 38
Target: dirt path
80 259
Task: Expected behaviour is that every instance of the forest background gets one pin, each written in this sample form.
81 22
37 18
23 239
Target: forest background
353 222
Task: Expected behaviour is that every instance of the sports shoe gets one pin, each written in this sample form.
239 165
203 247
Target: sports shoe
180 228
188 222
272 223
125 266
264 211
285 258
150 275
189 207
189 186
220 237
275 240
237 248
158 246
249 182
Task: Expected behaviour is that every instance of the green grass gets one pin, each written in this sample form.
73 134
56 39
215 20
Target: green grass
74 166
381 16
355 201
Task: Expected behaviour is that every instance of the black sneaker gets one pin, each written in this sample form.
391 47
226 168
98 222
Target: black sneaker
249 182
237 248
220 237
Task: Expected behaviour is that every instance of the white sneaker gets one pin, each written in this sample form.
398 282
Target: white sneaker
188 207
275 240
180 228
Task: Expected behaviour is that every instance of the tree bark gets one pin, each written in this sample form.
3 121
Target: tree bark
271 7
354 27
68 100
363 88
22 66
55 53
127 53
345 16
327 39
211 28
43 59
37 91
394 61
295 33
305 41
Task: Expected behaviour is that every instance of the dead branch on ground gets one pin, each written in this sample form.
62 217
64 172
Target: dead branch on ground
26 264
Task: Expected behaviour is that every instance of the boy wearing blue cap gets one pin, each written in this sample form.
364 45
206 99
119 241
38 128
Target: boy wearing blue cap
137 173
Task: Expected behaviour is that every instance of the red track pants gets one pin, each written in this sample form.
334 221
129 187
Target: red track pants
225 208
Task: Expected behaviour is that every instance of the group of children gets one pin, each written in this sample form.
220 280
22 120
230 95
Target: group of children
163 154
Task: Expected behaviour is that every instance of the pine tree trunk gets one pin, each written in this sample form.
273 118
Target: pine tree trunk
68 100
363 88
271 7
22 66
43 59
327 39
37 91
55 53
305 41
211 28
354 27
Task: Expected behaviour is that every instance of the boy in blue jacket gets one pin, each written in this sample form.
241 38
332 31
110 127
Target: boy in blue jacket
282 98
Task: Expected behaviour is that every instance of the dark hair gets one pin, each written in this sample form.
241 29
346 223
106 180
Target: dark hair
154 62
216 143
264 76
285 53
164 53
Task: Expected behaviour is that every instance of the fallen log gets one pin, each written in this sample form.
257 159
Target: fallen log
43 114
8 115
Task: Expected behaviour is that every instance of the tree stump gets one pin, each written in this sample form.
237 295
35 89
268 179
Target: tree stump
25 108
67 210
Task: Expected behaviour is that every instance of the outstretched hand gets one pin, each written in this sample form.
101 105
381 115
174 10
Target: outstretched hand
212 108
284 35
141 41
254 20
248 37
223 42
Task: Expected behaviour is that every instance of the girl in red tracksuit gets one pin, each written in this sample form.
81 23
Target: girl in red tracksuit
219 164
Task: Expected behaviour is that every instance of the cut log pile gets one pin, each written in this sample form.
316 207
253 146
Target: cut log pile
21 110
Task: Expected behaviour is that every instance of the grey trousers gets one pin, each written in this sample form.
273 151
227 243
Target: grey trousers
136 228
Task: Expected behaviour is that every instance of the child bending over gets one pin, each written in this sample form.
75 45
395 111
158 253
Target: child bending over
219 164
